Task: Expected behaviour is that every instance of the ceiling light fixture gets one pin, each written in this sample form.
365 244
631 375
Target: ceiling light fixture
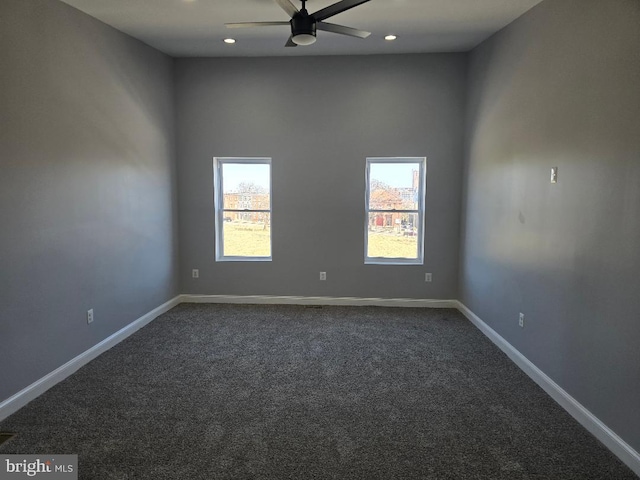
230 41
304 39
390 37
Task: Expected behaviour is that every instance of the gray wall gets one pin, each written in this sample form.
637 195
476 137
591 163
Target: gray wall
87 185
319 118
88 202
560 87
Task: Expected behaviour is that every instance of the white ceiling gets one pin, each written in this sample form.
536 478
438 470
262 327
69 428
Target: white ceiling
195 28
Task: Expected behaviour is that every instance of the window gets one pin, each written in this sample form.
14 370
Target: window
242 199
394 202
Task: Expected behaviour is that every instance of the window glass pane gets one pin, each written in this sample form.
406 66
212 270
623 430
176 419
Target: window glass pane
246 186
394 186
395 216
393 235
243 208
246 234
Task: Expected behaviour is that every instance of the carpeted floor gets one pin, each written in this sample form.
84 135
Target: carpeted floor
288 392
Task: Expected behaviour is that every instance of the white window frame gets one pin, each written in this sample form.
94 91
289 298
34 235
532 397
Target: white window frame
218 200
422 190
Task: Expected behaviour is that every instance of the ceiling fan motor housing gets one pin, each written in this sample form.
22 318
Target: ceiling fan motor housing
303 25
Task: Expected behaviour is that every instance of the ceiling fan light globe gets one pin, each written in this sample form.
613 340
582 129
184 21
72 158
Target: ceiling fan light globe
304 39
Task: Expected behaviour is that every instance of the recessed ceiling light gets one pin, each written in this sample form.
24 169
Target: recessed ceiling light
390 37
229 40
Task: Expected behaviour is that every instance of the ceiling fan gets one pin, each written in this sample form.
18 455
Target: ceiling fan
304 24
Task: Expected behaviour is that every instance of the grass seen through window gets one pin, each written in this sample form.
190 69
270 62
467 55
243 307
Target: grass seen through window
247 239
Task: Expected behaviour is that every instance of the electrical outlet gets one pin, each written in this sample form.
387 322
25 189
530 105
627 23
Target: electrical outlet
195 273
323 276
554 175
521 320
90 316
427 277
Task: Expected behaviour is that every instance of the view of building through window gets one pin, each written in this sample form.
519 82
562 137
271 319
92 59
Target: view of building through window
394 210
244 210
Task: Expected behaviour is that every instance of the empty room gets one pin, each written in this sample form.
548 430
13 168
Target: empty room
275 239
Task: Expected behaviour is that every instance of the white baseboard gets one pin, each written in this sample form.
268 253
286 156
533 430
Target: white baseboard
24 396
339 301
587 419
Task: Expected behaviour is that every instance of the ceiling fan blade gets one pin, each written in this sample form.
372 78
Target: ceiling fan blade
288 7
336 8
290 43
332 27
254 24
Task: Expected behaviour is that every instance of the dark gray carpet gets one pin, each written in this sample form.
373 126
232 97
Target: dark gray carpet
288 392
